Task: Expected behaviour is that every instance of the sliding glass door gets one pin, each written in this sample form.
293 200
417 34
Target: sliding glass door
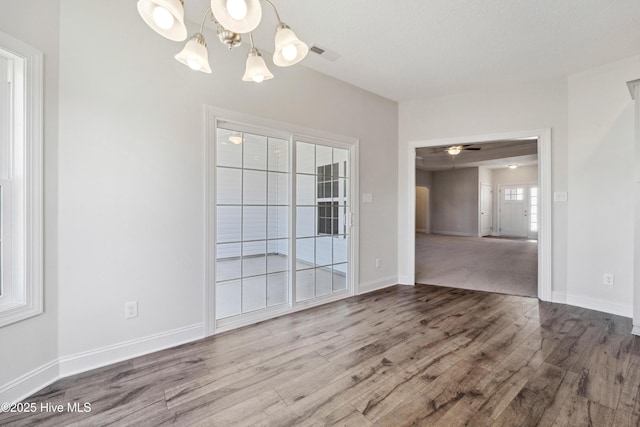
322 220
282 223
252 216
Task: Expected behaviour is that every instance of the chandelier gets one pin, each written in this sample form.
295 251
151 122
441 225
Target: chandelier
232 19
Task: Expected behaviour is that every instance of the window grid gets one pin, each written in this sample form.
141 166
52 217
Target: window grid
327 206
514 194
258 247
533 217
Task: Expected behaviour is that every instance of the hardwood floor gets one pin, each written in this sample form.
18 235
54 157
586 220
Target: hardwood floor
421 355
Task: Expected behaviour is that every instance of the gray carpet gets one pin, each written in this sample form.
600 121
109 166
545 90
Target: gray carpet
505 266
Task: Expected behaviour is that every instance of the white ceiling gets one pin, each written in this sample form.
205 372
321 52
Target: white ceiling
409 49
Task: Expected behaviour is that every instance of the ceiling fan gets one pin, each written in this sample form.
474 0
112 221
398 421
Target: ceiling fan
454 150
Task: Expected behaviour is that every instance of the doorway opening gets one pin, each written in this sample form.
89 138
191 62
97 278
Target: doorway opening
469 243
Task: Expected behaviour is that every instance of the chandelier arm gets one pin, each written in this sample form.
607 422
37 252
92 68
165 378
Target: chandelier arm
204 19
274 9
251 39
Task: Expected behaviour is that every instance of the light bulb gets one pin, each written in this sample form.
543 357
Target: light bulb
237 9
258 78
194 64
163 18
289 52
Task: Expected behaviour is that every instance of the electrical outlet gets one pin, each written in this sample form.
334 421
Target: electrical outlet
608 279
130 309
378 262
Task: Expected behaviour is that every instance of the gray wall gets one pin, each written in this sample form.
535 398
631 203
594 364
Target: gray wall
424 178
454 202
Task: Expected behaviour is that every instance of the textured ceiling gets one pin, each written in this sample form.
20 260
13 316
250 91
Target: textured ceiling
408 49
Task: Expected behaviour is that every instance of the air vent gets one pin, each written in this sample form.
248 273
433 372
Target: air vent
323 52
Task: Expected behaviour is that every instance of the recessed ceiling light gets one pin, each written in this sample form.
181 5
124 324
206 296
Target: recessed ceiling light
513 166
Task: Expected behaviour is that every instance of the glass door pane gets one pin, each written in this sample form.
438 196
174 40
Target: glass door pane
252 222
322 229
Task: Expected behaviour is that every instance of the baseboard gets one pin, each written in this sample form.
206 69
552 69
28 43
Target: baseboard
404 280
592 304
454 233
85 361
31 382
377 284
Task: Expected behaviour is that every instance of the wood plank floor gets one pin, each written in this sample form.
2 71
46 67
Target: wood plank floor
421 355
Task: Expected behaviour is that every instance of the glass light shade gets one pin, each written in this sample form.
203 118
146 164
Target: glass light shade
244 25
237 9
256 70
165 17
195 55
289 49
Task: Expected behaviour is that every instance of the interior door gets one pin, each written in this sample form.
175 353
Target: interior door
486 210
422 210
513 210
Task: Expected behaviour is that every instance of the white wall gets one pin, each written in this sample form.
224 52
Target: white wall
31 344
487 111
454 202
125 186
485 175
132 176
591 117
601 176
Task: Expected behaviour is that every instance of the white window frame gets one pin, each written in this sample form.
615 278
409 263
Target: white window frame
21 175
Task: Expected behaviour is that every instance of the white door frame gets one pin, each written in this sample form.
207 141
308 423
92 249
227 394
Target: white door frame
480 199
544 193
634 90
530 234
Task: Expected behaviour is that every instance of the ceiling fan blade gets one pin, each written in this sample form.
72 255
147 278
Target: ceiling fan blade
473 148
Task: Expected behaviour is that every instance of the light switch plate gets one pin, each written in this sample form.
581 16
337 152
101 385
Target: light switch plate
560 196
